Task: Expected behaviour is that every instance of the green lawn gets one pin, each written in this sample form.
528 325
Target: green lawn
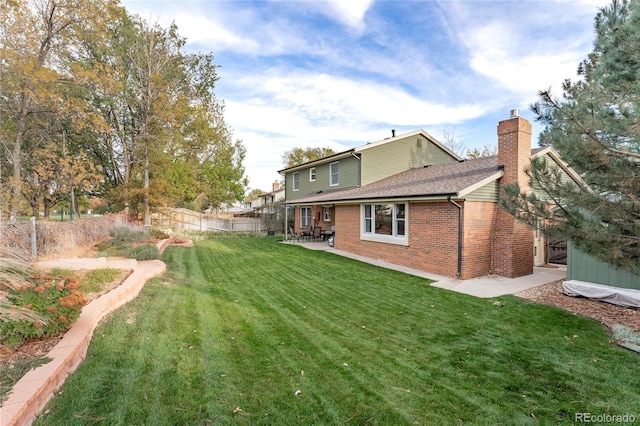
249 331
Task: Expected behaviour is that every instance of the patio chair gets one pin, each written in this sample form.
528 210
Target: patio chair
329 232
294 236
317 233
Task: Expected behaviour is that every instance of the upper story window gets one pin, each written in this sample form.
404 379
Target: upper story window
333 174
312 174
384 222
296 181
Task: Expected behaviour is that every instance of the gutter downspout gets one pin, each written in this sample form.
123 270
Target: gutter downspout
459 234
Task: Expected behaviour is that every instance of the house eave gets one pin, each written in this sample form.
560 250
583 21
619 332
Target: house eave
411 198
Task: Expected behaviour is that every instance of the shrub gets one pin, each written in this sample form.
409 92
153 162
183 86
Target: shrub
129 234
158 234
108 248
55 298
143 252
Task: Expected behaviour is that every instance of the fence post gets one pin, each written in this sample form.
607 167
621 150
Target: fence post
34 250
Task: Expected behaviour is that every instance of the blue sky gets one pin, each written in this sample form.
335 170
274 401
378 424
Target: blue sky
340 74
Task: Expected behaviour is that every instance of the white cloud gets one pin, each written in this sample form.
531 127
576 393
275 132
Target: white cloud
351 12
523 56
322 100
497 52
200 29
242 31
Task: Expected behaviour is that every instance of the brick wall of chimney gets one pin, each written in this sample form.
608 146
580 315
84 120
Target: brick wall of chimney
513 240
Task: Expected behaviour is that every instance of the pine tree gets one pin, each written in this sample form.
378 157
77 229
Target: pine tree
595 127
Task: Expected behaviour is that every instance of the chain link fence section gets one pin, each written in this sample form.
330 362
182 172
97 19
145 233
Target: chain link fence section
40 238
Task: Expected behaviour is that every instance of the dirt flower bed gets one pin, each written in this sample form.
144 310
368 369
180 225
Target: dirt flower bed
606 313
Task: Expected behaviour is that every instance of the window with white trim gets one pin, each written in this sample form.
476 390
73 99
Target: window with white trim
312 174
326 214
296 181
387 219
305 216
333 174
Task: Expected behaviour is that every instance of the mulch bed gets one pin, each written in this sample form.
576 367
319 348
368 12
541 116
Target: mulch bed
606 313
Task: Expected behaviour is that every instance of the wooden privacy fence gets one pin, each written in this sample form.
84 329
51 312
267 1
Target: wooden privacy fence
189 220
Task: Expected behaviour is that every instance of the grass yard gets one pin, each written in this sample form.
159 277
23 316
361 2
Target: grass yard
249 331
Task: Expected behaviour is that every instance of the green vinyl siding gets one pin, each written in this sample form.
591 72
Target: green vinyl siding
582 267
348 176
384 160
564 178
488 192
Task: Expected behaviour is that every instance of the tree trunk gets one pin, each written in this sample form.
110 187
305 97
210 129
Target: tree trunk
73 210
16 159
47 207
147 209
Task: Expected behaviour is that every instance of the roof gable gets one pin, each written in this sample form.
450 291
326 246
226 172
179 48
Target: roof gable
419 132
555 156
361 148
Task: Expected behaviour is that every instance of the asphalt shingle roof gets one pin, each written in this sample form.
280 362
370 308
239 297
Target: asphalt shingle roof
439 179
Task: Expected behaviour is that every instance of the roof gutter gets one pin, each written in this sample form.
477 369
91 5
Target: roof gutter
410 198
459 234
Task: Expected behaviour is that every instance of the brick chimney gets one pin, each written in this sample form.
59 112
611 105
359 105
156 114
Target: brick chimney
276 186
513 240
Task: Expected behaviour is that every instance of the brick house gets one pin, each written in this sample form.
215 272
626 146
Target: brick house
410 201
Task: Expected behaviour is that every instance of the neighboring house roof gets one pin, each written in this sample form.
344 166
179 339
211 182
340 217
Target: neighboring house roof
431 182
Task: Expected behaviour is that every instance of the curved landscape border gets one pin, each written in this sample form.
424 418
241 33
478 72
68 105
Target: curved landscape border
33 391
